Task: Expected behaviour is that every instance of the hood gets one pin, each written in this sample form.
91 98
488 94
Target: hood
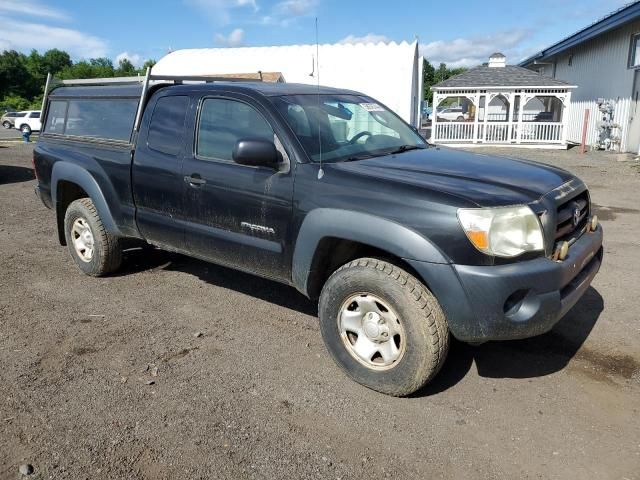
482 179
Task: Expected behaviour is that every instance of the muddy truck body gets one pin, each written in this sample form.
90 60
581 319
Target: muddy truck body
401 243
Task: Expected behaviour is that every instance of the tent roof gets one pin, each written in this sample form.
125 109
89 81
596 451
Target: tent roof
388 72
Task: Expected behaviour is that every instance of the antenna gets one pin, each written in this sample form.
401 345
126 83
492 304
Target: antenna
320 171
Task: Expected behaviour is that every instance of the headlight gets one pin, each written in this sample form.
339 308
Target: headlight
502 231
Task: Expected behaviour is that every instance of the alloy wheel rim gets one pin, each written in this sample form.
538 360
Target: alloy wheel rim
82 238
371 331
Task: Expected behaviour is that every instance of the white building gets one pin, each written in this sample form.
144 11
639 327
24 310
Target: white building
603 60
389 72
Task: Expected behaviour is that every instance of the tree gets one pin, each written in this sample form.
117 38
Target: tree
429 79
14 75
148 64
126 68
22 77
431 76
56 60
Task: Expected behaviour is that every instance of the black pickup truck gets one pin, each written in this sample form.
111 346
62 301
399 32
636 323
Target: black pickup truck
327 191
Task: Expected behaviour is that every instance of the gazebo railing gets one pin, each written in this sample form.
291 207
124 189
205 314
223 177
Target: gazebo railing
454 131
494 132
498 132
540 132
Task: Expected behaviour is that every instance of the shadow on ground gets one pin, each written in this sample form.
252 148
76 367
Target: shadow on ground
148 258
529 358
533 357
11 174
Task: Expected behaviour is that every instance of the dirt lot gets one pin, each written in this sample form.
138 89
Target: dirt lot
107 378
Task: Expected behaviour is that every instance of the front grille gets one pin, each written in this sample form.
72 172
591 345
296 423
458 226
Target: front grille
569 222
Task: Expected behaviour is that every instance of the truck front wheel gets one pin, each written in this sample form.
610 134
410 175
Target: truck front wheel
95 251
383 327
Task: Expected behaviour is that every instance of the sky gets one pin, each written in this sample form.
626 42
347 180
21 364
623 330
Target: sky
459 33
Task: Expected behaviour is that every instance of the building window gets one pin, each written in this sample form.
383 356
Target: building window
634 52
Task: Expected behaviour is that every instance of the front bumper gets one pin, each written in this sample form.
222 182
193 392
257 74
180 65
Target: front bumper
517 300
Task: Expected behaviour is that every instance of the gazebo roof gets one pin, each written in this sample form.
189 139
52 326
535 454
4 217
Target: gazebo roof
507 76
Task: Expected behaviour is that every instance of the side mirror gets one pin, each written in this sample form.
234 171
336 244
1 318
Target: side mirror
256 153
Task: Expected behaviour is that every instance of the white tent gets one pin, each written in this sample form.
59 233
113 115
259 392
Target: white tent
389 72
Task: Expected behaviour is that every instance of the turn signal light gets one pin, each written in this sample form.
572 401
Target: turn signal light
479 239
594 223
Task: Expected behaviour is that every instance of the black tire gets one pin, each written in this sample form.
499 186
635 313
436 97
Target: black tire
460 119
107 250
424 324
25 129
6 124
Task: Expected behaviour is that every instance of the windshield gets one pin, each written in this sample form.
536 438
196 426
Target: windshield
345 127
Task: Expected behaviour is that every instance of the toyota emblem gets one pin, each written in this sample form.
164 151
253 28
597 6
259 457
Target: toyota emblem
576 216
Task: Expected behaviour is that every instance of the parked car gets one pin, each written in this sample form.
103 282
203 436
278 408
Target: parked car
453 114
8 119
401 244
29 122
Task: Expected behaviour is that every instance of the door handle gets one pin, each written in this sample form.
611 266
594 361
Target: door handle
195 180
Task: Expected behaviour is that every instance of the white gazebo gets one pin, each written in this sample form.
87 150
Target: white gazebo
501 105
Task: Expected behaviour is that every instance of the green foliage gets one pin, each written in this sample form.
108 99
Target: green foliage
148 64
22 77
431 76
15 102
14 75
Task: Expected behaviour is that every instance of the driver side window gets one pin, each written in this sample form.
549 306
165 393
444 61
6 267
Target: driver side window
223 122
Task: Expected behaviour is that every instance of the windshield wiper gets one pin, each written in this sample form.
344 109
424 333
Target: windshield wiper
361 156
382 153
406 148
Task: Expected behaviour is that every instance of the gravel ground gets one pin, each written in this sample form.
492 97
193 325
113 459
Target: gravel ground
8 134
176 368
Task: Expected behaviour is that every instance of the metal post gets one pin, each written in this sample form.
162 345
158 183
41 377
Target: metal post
143 95
46 93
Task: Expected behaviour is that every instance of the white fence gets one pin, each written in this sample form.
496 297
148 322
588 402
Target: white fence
454 131
575 124
499 132
547 132
494 132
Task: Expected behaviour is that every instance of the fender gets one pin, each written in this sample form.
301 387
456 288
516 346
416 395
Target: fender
81 177
377 232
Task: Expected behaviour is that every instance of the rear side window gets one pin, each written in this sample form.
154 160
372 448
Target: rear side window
55 117
166 131
223 122
35 115
109 119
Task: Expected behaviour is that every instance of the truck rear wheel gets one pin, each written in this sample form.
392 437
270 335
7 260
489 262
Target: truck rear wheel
95 251
383 327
